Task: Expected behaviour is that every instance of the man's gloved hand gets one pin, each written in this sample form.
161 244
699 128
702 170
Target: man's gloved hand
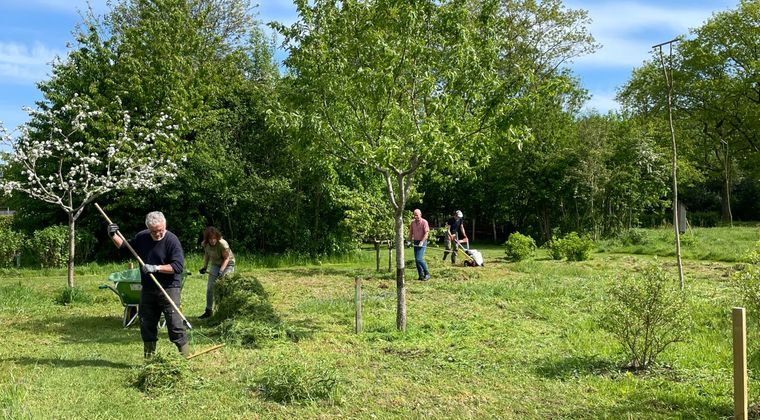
220 275
112 229
149 268
202 270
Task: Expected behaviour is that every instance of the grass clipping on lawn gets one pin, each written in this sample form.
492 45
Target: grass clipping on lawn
162 373
243 314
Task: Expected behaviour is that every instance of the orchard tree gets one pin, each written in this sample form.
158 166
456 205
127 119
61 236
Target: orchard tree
403 86
55 159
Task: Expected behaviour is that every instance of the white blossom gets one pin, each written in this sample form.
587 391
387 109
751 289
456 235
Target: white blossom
55 168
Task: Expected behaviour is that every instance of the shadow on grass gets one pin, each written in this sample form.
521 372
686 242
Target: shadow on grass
364 273
645 404
67 363
82 329
575 366
321 271
649 400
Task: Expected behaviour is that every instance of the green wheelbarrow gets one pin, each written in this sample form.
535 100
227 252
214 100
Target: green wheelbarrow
126 285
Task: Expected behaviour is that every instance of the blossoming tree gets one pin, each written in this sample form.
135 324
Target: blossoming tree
72 155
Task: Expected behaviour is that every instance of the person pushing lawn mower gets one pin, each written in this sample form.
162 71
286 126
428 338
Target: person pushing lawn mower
452 239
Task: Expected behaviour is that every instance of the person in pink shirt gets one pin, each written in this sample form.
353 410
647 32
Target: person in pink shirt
418 233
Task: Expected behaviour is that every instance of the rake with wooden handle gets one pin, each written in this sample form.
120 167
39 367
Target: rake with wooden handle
139 260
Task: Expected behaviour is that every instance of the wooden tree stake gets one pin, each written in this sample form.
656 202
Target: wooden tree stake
740 363
358 302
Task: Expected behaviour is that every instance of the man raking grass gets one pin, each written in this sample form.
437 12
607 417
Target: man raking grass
161 259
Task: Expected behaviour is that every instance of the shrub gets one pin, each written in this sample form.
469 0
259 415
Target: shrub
71 295
572 246
632 237
11 243
291 382
49 246
577 248
646 313
747 282
86 243
753 256
687 240
556 251
519 247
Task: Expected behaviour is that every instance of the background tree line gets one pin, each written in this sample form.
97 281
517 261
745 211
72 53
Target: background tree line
255 162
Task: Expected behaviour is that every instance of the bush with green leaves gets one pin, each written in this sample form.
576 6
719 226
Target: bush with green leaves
296 382
572 246
49 246
687 240
753 256
577 247
646 312
11 243
747 283
632 236
519 247
556 251
86 243
75 294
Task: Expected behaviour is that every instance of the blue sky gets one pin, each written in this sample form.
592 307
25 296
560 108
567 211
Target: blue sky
34 32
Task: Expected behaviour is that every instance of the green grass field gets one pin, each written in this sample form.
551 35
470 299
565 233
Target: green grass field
509 340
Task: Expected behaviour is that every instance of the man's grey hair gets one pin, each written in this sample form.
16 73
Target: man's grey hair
154 218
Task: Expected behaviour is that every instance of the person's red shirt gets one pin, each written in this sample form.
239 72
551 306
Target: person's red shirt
418 229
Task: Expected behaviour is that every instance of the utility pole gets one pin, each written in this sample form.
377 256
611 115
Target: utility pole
727 177
667 69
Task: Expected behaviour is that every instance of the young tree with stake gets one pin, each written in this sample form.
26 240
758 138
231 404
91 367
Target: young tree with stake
58 158
404 86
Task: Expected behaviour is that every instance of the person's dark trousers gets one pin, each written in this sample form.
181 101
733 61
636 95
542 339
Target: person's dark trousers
451 245
419 259
152 304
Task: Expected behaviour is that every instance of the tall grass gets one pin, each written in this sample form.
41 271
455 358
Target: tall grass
709 244
508 340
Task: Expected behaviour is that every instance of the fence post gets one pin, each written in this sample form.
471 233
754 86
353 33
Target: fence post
377 254
358 304
739 321
390 256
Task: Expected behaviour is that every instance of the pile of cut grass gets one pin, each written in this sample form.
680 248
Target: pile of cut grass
162 373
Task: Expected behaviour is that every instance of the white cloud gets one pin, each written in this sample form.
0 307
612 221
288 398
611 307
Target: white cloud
628 30
22 63
602 102
71 6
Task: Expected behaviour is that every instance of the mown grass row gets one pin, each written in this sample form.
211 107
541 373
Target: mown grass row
509 340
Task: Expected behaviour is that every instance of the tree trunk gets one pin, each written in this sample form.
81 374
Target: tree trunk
669 82
72 244
400 286
546 228
493 225
726 214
